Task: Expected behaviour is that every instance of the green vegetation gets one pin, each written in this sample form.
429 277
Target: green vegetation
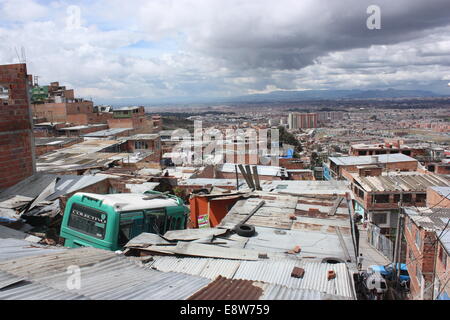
289 138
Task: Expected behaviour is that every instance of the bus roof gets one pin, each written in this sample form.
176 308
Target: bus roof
130 201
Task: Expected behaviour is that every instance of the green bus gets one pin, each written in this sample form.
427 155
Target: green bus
109 221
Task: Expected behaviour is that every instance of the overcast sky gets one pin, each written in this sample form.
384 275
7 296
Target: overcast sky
160 49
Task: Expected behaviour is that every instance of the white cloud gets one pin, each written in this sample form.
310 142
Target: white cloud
170 48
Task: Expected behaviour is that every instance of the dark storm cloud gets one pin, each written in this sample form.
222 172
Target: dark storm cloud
257 40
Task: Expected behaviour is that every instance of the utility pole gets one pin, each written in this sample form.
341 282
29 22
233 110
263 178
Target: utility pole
398 241
237 177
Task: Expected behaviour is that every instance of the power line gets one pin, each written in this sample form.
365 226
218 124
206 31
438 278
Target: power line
444 198
443 287
432 246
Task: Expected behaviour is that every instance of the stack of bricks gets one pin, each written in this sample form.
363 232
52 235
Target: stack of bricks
17 160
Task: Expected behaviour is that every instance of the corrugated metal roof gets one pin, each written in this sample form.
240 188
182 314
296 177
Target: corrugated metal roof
121 279
228 289
306 187
262 170
29 187
315 277
193 234
16 249
431 219
145 239
277 292
381 158
8 233
7 279
445 240
34 185
398 182
203 267
36 291
443 191
106 133
43 262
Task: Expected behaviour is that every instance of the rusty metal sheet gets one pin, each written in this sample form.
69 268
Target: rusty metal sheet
228 289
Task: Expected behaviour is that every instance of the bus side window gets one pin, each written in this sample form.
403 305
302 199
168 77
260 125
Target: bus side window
124 233
155 221
131 225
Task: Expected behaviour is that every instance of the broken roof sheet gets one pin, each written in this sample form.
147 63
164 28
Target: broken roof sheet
193 234
32 186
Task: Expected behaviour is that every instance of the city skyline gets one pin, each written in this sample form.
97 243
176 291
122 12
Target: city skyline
154 51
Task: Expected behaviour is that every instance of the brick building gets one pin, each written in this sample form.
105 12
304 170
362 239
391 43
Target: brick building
438 197
57 104
342 167
17 157
302 120
131 117
378 197
387 147
426 255
442 278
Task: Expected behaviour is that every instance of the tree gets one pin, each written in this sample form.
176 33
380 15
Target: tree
289 138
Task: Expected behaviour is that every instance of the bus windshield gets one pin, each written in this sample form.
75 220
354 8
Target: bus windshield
88 221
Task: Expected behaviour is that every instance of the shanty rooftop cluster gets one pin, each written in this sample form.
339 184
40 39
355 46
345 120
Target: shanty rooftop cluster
251 231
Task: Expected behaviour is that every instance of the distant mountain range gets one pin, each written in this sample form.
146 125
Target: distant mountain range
285 96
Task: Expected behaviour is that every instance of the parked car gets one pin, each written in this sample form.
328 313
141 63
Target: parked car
374 285
387 271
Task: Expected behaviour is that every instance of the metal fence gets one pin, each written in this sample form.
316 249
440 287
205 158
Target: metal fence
380 242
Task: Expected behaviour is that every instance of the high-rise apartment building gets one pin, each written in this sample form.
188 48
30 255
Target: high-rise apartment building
298 120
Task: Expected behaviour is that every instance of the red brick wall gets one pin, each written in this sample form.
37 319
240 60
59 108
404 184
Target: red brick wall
54 112
291 163
402 166
436 199
17 159
120 123
443 270
74 112
419 258
443 169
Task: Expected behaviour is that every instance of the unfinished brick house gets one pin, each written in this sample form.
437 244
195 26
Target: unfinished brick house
55 103
17 157
131 117
442 279
378 197
387 147
427 252
438 197
342 167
